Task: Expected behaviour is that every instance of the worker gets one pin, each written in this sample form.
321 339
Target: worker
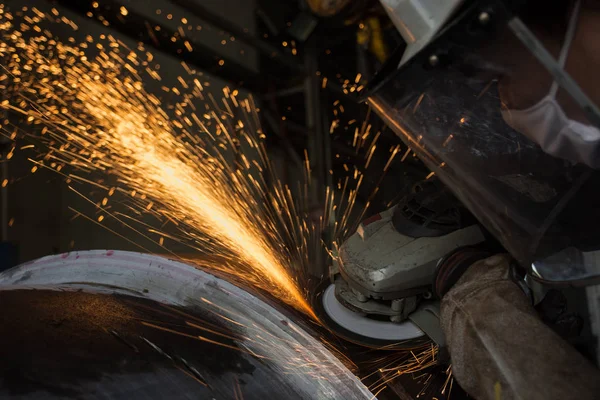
513 132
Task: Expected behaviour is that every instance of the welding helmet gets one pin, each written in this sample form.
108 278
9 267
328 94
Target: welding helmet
499 99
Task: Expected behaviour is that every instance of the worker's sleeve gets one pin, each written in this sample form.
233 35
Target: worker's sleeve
499 347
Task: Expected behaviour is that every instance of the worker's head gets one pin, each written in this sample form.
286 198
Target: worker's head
563 27
477 101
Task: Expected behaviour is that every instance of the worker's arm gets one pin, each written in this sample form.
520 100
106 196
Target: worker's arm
500 348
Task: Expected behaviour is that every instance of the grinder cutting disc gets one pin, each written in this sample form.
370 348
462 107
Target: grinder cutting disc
361 329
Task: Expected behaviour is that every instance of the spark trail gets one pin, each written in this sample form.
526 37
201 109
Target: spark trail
189 188
97 116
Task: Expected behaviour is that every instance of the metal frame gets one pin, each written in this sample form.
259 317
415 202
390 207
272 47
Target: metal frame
202 57
195 8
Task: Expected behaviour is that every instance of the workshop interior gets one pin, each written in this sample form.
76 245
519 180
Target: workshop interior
283 199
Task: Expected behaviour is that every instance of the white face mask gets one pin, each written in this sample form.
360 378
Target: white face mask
547 124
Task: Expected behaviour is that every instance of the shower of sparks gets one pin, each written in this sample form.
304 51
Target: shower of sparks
416 364
97 117
396 364
195 163
182 163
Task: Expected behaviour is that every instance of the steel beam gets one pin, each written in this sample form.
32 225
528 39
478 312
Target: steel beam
142 29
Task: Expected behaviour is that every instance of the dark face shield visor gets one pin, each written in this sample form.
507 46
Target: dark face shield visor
473 106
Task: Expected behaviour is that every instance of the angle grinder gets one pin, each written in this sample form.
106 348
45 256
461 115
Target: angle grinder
381 290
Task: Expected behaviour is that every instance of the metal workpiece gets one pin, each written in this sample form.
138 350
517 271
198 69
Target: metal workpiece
125 325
